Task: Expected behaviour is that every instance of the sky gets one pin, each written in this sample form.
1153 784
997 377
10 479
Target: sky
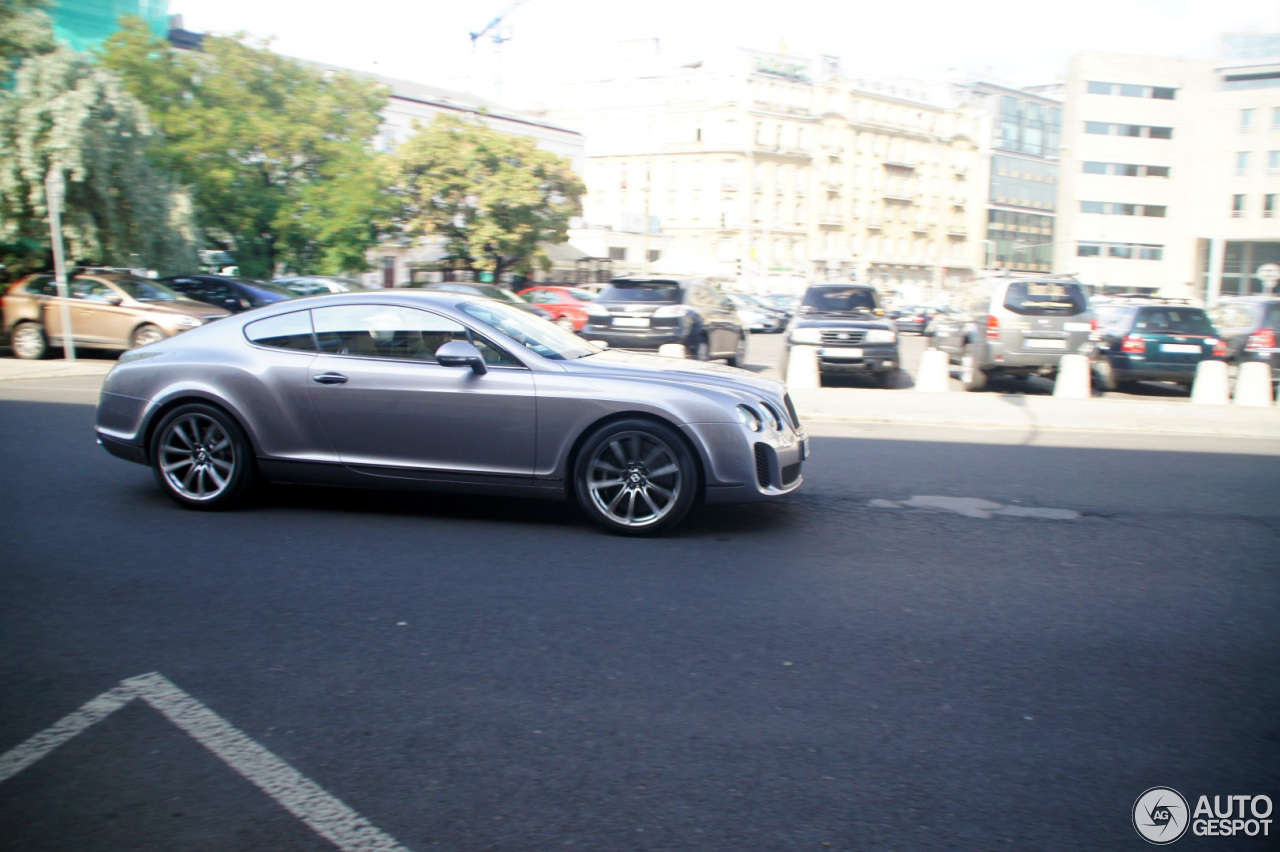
1009 41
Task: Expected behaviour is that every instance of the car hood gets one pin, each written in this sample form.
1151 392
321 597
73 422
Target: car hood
841 320
186 307
659 368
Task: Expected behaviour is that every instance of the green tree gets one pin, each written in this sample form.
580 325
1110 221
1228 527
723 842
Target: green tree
493 198
24 31
67 114
276 152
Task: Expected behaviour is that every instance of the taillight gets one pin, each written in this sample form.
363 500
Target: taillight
1263 338
1095 333
1134 345
1219 349
993 328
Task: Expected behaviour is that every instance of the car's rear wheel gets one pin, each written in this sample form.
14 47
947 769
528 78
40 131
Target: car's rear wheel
202 458
973 377
144 334
1105 374
739 357
28 341
635 477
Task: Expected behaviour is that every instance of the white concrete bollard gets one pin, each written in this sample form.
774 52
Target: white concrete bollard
673 350
934 375
1253 385
1210 386
1073 381
802 368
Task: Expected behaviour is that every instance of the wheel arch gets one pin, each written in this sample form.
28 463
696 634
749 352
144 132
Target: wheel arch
575 450
157 415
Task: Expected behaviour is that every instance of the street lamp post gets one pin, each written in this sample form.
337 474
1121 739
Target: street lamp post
55 189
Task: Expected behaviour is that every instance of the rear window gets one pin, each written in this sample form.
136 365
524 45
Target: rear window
1046 298
1173 321
1235 315
1272 319
835 299
641 291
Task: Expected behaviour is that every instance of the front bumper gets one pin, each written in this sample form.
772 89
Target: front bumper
861 359
743 467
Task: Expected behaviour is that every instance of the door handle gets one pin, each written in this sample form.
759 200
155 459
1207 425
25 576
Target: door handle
330 379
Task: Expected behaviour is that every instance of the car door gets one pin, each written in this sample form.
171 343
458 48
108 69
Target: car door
101 315
389 409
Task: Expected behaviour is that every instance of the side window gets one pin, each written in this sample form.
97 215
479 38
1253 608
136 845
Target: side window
288 331
542 297
89 290
384 331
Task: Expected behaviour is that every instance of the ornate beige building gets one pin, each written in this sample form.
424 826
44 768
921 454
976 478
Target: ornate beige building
766 171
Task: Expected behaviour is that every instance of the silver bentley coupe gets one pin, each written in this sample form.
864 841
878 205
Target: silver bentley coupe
443 391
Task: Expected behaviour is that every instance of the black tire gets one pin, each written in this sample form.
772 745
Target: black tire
739 356
1104 375
973 377
888 379
202 458
28 341
635 477
144 334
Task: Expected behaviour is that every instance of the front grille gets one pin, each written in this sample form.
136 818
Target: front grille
763 468
843 337
790 473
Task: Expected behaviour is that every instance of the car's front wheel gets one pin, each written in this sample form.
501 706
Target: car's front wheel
202 458
635 477
972 376
145 334
739 356
28 341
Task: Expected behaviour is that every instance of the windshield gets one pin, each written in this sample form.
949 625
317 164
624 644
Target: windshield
641 291
268 287
146 291
534 333
840 299
582 295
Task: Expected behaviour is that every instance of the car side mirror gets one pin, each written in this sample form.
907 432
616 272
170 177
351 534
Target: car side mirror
113 299
460 353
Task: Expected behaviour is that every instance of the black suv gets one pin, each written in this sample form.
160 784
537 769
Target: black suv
847 324
645 313
1250 326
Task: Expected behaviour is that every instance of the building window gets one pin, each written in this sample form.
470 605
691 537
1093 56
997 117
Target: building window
1275 118
1139 131
1269 206
1273 162
1246 121
1127 251
617 253
1096 88
1237 206
1130 90
1125 169
1114 208
1242 162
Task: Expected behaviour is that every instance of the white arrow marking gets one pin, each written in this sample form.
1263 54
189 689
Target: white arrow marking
308 801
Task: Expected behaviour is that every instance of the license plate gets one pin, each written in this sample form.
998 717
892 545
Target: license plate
631 322
1189 348
1076 326
1044 343
842 353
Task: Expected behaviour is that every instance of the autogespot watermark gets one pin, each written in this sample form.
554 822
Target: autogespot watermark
1161 816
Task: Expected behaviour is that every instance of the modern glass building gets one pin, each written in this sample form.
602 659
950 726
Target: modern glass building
85 24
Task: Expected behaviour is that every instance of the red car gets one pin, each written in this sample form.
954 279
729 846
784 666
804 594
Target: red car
567 305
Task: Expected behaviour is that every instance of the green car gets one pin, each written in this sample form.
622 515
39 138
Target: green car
1151 340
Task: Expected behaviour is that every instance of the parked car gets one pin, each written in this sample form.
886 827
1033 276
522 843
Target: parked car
1151 340
224 291
488 291
566 305
848 326
438 390
912 318
1250 326
784 302
647 312
1013 325
107 309
310 285
756 317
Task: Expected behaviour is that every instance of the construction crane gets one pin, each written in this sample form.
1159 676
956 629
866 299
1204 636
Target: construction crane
497 37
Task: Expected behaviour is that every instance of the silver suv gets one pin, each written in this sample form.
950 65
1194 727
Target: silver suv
1014 325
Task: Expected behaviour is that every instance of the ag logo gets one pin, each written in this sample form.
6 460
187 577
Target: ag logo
1160 815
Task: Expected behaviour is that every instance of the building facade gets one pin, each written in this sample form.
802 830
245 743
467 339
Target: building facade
1170 172
766 172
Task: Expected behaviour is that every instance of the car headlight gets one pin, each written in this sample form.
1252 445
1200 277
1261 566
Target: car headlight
748 417
186 322
806 336
880 335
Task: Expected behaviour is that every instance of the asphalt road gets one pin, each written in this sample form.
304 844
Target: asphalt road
859 667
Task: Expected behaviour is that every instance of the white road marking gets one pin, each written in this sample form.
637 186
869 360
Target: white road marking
973 507
302 797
